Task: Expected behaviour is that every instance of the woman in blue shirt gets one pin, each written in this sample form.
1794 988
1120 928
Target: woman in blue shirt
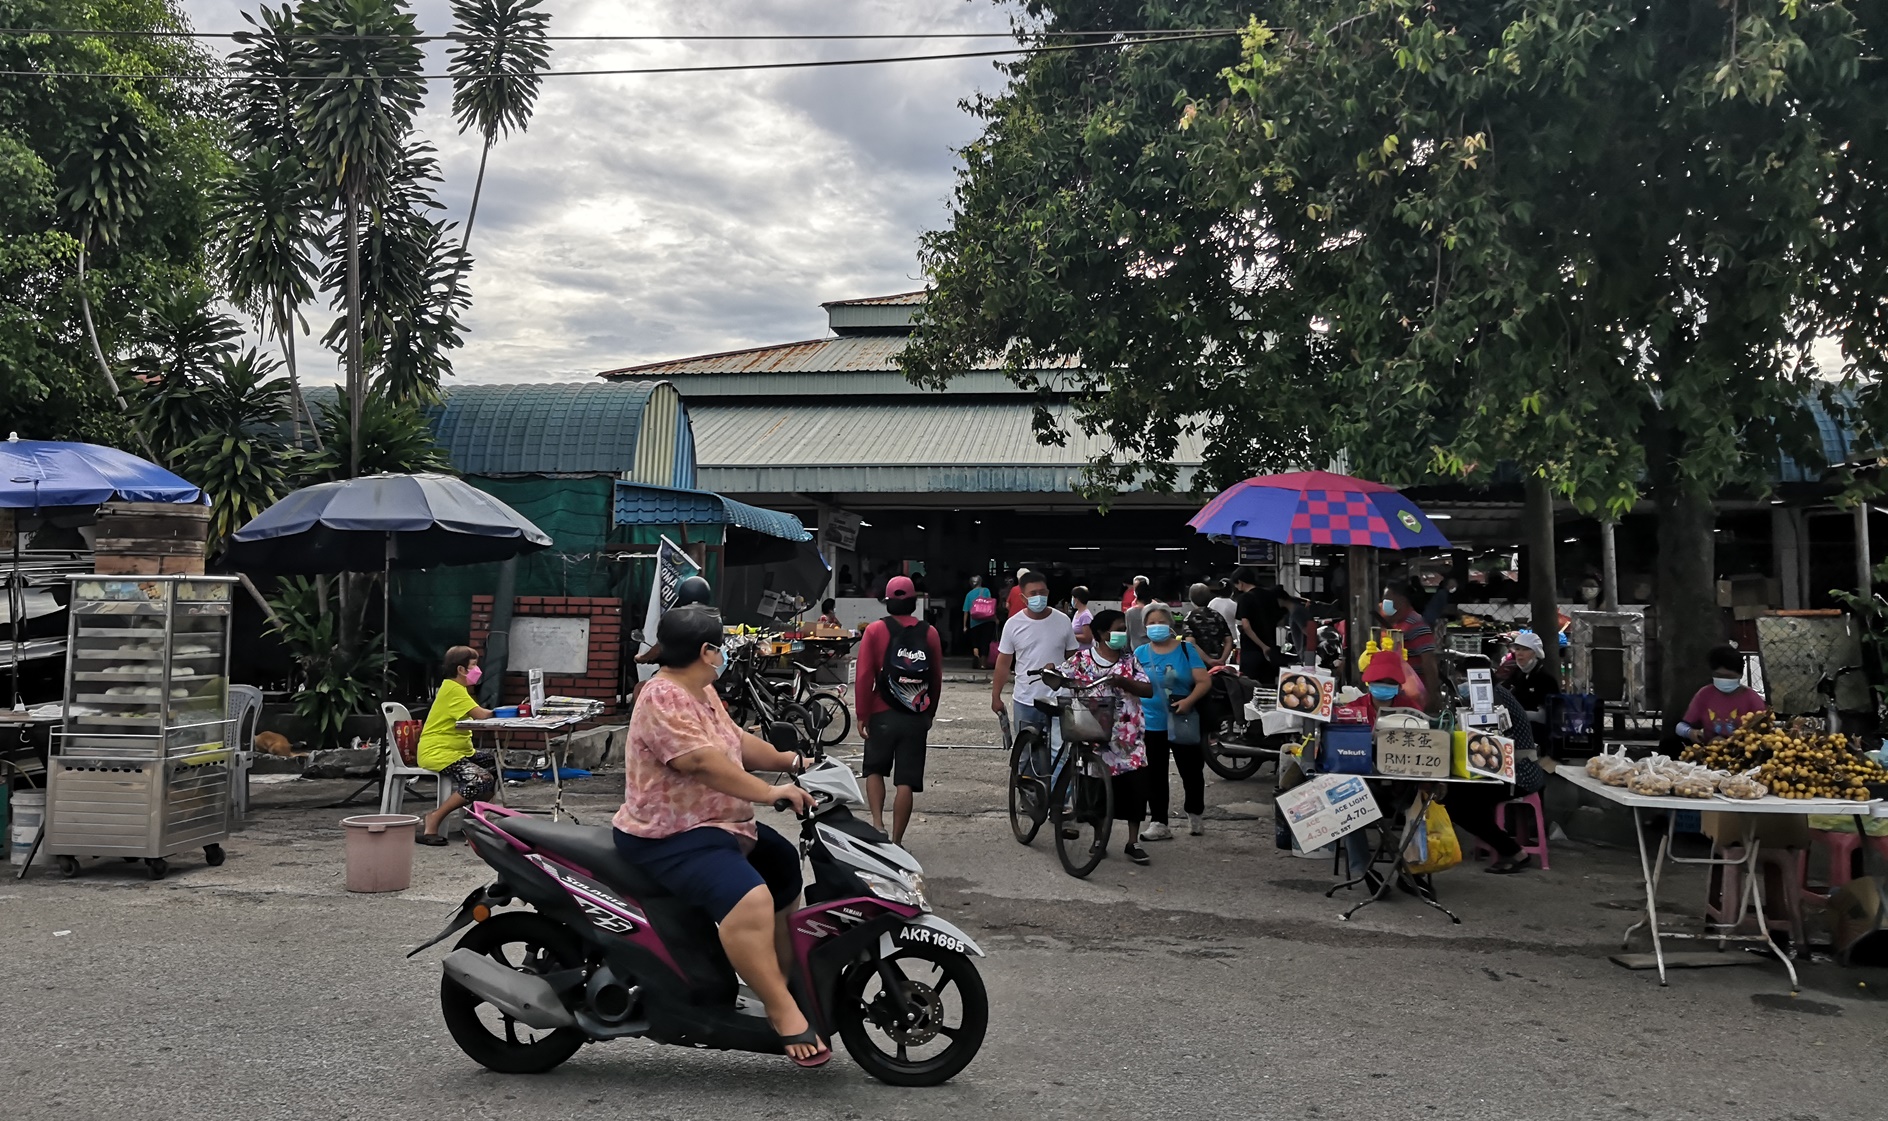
977 631
1180 681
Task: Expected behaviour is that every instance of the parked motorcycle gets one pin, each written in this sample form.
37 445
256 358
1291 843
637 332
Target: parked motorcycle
603 952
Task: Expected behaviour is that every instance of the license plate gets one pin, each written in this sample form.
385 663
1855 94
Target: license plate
925 936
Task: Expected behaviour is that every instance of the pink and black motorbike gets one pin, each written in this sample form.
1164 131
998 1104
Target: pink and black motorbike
599 951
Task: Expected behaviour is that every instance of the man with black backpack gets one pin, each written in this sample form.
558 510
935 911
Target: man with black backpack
900 677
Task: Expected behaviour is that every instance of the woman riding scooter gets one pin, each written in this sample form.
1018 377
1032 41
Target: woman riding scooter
687 818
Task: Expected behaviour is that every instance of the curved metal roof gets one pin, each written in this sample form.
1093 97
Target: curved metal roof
546 428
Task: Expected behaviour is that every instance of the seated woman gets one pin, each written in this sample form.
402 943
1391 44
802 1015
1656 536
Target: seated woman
688 817
1126 753
447 750
829 613
1473 807
1717 709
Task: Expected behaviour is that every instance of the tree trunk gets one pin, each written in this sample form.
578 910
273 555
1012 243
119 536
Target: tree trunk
299 407
478 185
1689 621
98 352
1542 578
355 381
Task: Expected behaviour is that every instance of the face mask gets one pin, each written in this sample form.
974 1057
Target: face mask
1159 632
721 666
1388 607
1117 640
1038 603
1727 684
472 675
1383 692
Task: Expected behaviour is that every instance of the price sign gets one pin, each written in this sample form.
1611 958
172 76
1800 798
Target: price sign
1326 808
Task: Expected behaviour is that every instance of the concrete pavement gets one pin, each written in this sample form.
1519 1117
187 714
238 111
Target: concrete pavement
1214 983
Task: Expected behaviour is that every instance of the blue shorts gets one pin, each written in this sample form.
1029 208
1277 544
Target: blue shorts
705 867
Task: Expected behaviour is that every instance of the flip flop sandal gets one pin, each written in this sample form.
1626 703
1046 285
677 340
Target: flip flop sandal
819 1058
429 839
1510 867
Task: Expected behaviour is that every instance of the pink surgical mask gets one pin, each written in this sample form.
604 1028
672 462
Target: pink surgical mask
472 675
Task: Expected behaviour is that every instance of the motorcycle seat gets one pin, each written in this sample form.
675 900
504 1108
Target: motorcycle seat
592 847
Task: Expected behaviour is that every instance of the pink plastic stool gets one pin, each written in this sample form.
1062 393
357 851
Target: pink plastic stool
1538 849
1842 848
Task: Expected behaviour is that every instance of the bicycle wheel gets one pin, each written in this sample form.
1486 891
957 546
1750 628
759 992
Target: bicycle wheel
1082 810
1029 802
833 717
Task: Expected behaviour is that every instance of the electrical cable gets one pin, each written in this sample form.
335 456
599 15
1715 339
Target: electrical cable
240 36
1186 37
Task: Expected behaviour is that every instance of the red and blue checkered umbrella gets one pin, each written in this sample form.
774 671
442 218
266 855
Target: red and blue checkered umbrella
1319 508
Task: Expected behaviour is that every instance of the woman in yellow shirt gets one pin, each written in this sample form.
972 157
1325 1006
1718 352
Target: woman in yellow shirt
447 749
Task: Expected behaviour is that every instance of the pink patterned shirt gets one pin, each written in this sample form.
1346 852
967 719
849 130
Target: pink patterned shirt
660 801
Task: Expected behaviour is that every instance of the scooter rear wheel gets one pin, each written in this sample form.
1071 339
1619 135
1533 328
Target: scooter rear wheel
948 998
530 943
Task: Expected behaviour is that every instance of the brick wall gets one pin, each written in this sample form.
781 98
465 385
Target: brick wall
606 644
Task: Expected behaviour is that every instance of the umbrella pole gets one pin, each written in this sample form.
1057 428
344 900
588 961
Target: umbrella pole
386 616
15 608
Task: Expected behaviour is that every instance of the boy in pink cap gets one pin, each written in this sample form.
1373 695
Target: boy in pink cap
899 679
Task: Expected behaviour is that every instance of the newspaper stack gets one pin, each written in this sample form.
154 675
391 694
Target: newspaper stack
570 706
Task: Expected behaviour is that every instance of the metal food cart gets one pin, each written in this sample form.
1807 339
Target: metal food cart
141 767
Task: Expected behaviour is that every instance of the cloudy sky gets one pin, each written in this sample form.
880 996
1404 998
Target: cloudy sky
657 216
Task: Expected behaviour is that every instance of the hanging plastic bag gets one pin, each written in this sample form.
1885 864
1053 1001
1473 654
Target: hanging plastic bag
1439 850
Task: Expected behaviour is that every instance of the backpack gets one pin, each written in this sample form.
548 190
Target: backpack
905 675
983 609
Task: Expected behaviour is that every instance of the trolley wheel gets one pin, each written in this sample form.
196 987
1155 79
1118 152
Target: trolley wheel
213 855
68 865
156 866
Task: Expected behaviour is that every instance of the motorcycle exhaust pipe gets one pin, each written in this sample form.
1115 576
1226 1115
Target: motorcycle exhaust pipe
527 999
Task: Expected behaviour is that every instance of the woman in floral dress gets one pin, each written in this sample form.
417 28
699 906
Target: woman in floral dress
1108 658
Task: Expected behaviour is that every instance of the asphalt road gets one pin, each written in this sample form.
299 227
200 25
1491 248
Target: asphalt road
1215 983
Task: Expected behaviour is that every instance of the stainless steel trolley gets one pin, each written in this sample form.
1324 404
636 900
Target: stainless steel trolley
141 768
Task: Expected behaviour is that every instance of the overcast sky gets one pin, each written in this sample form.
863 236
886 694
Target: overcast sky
658 216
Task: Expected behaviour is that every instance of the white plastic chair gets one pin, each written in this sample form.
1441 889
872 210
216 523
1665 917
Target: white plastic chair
393 784
244 713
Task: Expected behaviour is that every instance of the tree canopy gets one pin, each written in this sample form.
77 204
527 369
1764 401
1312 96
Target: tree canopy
133 157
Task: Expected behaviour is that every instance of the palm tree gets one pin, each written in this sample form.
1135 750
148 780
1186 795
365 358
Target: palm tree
359 64
267 218
105 177
496 70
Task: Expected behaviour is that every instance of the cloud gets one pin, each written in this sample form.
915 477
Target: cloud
656 216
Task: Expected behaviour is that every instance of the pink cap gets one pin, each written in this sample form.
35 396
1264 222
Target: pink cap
900 587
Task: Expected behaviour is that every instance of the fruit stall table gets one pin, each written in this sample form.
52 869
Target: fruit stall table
1750 899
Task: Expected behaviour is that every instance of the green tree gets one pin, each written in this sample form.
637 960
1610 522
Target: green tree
497 67
113 171
359 64
1592 237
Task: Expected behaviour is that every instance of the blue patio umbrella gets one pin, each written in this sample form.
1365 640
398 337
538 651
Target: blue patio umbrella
44 476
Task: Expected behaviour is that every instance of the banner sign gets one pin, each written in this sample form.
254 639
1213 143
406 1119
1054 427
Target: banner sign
672 567
1327 807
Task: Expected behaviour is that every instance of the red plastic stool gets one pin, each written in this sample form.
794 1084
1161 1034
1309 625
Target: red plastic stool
1538 849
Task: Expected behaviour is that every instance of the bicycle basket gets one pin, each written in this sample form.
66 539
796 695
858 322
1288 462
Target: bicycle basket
1089 719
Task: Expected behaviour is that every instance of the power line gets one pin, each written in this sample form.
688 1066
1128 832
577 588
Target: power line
1187 37
241 36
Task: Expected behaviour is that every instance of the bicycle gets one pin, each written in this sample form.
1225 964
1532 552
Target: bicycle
751 699
831 716
1077 795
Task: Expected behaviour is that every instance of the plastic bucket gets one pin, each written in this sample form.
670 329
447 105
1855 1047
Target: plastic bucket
29 807
20 842
380 851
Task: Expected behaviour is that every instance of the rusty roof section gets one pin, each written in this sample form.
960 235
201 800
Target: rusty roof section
900 299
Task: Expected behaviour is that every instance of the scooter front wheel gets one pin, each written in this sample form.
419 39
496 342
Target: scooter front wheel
530 943
928 1029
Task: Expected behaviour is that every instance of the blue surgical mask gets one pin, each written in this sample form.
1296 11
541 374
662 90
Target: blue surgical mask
1382 692
1727 684
1117 640
1388 607
1159 632
1038 603
721 666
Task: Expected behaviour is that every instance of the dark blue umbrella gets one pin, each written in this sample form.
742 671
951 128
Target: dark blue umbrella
380 522
35 474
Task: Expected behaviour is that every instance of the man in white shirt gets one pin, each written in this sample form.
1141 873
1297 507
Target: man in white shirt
1038 636
1225 605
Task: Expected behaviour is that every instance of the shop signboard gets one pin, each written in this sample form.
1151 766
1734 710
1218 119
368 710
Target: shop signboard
1327 807
840 529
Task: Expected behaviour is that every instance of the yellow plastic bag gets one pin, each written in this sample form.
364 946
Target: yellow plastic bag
1434 848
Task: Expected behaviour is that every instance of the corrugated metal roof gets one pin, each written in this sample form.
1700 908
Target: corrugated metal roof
641 504
936 445
844 354
901 299
547 428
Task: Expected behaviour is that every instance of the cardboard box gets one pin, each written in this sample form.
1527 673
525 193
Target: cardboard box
1774 831
1414 752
